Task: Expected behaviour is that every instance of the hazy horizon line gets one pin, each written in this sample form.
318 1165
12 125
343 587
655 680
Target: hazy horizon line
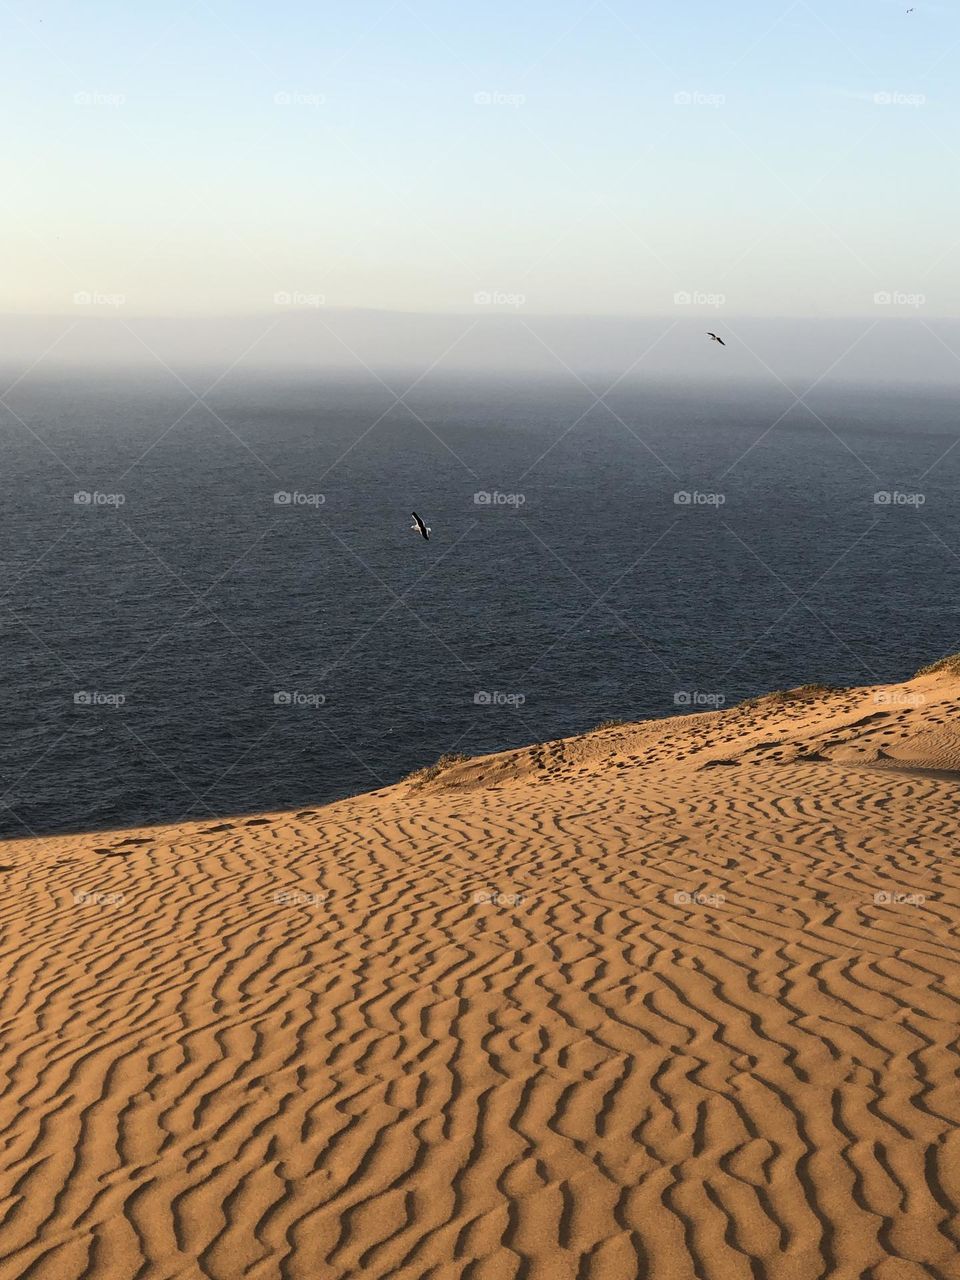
111 312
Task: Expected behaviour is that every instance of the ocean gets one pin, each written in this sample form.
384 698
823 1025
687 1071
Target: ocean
217 606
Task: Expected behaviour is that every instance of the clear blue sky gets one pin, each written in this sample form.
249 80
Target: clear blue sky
592 157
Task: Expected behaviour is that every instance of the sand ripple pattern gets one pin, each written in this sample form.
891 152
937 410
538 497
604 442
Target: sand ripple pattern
676 1001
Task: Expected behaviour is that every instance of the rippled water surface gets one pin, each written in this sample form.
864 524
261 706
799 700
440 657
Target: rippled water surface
184 644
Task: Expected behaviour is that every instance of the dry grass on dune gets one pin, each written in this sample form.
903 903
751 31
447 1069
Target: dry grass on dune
947 666
675 1000
432 771
803 693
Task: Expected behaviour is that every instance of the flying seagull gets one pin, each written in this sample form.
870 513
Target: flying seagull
419 527
713 338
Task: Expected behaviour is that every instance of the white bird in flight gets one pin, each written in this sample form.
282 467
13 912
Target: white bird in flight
713 338
419 527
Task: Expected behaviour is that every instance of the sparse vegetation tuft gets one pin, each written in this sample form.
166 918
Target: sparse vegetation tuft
950 664
431 771
778 697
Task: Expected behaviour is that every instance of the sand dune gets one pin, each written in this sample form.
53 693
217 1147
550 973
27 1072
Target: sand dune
677 1000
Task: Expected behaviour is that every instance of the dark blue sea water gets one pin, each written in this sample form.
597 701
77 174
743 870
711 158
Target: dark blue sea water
145 642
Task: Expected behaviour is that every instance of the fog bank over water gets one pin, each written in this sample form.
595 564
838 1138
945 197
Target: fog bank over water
897 344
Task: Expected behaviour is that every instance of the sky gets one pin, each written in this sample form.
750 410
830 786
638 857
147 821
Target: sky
562 158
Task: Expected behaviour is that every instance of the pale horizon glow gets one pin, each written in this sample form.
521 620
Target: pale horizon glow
589 158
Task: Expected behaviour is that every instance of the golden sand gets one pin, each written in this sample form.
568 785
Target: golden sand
675 1000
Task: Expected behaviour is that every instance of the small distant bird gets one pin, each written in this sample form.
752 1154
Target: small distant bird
713 338
419 527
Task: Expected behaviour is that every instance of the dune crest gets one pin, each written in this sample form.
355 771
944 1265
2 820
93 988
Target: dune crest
676 999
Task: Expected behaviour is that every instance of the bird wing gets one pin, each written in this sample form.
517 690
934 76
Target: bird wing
420 525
